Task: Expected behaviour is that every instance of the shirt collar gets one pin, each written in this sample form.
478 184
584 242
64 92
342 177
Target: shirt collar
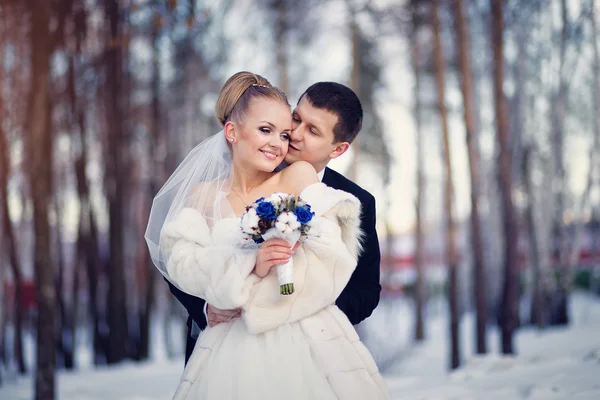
320 174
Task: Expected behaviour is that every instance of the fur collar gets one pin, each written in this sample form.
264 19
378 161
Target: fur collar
343 206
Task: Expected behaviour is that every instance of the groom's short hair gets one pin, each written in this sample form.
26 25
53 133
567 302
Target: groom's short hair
341 101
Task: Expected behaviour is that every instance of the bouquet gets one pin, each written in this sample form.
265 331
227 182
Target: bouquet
280 215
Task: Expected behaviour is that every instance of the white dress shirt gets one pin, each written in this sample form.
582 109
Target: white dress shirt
320 174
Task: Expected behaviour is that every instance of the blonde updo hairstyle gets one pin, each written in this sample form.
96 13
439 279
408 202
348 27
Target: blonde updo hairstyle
238 92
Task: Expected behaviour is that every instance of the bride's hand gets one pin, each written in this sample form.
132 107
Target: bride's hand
272 252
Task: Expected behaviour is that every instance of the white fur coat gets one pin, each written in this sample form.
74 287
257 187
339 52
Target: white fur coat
211 264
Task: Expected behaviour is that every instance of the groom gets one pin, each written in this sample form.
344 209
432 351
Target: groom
326 120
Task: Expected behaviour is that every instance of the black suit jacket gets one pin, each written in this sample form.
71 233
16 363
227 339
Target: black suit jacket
358 299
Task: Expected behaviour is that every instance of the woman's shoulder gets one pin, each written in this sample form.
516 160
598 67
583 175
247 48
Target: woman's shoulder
300 169
298 176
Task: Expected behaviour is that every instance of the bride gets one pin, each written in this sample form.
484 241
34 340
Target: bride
299 346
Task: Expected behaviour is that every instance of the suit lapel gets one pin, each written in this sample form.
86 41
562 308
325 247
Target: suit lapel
328 178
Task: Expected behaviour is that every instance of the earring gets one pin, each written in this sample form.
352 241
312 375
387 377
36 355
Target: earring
231 140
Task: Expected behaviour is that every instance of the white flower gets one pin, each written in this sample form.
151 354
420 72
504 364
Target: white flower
250 222
246 237
276 198
287 222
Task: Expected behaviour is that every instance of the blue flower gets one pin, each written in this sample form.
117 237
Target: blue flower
266 211
303 214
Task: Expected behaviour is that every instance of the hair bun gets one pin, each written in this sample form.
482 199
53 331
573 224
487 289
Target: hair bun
235 96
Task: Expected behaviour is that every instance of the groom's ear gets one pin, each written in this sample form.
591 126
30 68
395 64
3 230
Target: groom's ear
340 149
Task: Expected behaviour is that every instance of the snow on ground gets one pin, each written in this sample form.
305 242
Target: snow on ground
562 363
554 364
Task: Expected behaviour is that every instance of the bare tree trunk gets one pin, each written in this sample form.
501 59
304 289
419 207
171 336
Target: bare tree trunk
523 159
3 317
281 34
451 250
57 255
65 329
117 305
596 75
509 312
156 175
540 296
355 85
64 354
75 303
78 17
87 241
4 174
472 134
40 151
419 242
10 243
518 103
596 94
6 307
560 311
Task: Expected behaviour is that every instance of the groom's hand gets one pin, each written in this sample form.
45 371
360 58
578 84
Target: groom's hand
216 315
272 252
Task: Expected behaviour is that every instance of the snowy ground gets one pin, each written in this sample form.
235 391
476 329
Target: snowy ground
555 364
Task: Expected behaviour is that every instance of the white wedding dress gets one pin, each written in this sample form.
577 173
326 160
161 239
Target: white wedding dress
299 346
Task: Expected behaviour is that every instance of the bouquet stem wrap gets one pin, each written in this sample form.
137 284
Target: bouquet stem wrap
285 272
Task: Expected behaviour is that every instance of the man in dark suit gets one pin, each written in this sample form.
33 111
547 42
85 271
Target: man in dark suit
326 120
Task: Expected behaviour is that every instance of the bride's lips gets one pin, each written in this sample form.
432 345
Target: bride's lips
269 155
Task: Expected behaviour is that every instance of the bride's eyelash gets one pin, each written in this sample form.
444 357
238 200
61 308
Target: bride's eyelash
267 131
